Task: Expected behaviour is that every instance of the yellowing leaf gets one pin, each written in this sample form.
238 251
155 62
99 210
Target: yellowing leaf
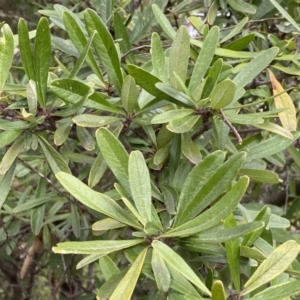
287 117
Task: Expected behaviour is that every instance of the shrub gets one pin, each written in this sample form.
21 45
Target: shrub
152 153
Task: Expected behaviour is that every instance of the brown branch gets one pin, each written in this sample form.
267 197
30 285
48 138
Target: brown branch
239 139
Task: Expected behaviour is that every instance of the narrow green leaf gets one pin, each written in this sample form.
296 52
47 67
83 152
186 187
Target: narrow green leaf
274 128
245 119
6 53
54 159
129 94
41 57
105 48
126 286
242 6
236 30
144 21
139 180
94 200
97 170
295 154
218 292
170 115
270 146
161 272
123 37
94 247
163 22
36 218
6 182
177 97
255 67
196 179
177 262
279 291
180 54
184 124
108 267
157 56
29 204
62 132
75 221
32 99
233 253
214 215
264 176
223 94
114 154
78 38
227 234
25 50
105 225
11 154
88 259
212 187
285 14
205 57
88 120
275 264
8 136
189 149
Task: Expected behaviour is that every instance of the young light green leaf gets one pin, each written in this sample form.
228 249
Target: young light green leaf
139 180
107 267
79 40
11 154
211 188
6 182
177 262
129 94
85 138
41 58
196 179
62 132
233 253
161 272
180 54
184 124
54 159
205 57
105 48
25 50
88 259
189 149
105 225
276 263
157 56
255 67
94 200
279 291
6 53
218 292
8 136
126 286
270 146
114 154
213 216
94 247
31 97
223 94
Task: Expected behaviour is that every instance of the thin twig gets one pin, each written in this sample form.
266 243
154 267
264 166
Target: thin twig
239 139
53 186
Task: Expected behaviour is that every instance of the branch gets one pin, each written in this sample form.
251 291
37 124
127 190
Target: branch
239 139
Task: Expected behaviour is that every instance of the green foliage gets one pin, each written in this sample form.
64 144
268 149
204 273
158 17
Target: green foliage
149 155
